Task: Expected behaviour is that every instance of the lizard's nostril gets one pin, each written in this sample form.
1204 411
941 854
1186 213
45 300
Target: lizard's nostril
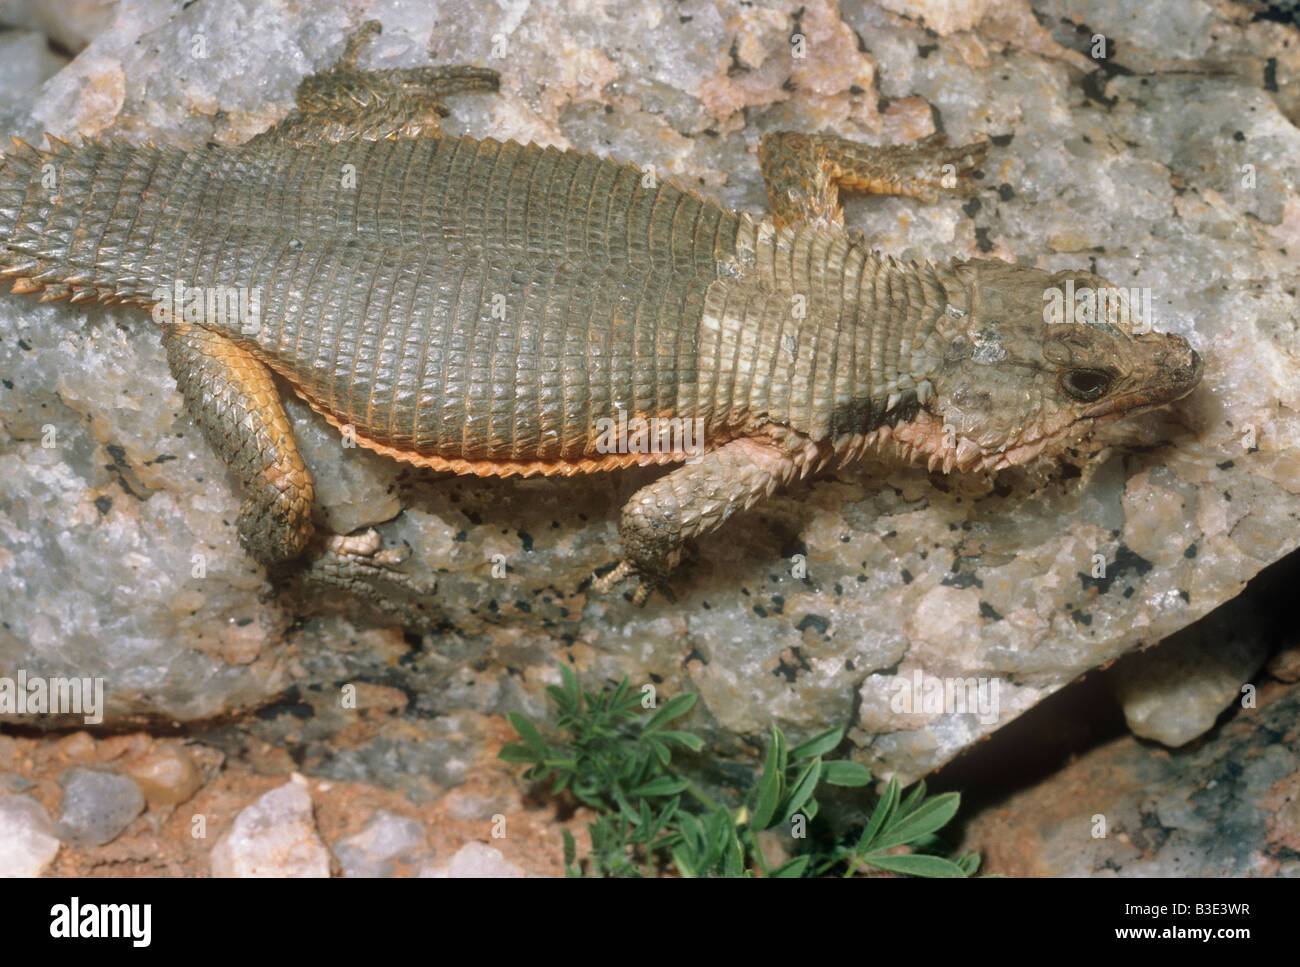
1184 363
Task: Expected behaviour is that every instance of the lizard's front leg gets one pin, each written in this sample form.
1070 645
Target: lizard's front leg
233 399
805 172
693 500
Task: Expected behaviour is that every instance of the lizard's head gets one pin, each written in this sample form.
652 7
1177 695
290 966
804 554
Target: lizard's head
1026 361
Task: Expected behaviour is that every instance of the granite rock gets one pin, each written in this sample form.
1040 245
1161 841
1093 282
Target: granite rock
1169 163
1224 807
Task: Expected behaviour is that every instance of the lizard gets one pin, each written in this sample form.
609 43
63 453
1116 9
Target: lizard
483 306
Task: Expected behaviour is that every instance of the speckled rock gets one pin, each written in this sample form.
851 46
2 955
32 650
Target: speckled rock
275 836
118 554
96 806
26 841
1228 806
374 852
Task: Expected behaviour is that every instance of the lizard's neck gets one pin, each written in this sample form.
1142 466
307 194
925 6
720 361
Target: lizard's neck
808 328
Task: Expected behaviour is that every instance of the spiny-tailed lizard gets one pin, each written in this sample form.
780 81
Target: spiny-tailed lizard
495 308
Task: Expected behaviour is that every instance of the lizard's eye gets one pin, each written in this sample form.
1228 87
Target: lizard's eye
1086 385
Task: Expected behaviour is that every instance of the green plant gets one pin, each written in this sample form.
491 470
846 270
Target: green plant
617 760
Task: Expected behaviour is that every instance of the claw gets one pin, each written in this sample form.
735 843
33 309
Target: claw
613 579
646 583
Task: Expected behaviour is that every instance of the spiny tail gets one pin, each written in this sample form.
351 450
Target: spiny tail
67 214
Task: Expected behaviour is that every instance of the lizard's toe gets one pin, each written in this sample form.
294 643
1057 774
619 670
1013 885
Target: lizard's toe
649 579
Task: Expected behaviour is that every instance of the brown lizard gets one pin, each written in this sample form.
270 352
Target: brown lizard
494 308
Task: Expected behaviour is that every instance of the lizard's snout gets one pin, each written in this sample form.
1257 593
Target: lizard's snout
1177 369
1192 372
1182 364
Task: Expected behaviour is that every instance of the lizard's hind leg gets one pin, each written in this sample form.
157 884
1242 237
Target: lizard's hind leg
232 397
804 172
346 103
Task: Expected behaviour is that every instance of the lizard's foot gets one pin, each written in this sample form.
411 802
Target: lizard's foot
929 166
356 563
805 172
345 103
651 576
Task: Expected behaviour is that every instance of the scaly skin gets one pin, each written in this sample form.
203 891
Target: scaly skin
482 307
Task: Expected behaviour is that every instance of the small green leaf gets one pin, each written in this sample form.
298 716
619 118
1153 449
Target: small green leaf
664 817
841 772
684 859
516 753
769 785
662 786
884 809
692 742
561 700
674 708
933 815
733 864
915 864
914 798
692 831
819 744
720 833
801 791
528 732
791 870
570 688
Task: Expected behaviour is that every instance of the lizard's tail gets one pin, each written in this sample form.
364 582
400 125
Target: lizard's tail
66 216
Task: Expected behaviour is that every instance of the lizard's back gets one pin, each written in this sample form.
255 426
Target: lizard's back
449 298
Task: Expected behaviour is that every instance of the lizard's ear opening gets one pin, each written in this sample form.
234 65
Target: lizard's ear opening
1086 385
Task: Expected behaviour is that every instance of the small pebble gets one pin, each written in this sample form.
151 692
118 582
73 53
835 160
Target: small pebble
167 776
78 746
476 861
385 839
26 843
96 806
12 782
275 836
